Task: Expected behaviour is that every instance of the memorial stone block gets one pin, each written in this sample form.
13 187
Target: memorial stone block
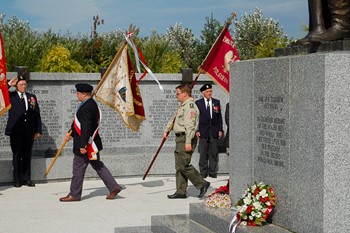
290 129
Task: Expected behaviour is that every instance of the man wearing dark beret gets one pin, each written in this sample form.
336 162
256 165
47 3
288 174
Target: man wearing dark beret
210 130
86 146
23 127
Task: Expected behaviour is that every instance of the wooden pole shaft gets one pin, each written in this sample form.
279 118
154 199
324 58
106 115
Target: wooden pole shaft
57 154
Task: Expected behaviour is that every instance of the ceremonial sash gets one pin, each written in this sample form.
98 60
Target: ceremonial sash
234 224
92 149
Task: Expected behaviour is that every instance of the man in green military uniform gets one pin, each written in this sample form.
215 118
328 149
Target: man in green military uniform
185 124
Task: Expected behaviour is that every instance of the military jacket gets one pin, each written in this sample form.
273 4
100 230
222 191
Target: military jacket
186 120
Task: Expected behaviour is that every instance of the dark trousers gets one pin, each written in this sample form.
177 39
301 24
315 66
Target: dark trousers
21 146
80 163
184 170
209 159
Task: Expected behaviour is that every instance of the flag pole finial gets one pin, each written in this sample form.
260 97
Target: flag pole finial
133 30
233 15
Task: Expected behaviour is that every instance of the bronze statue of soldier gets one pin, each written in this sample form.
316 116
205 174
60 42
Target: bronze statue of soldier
329 20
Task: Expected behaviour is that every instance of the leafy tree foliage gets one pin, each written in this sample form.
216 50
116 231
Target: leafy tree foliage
210 33
185 43
159 54
23 46
256 36
178 48
58 59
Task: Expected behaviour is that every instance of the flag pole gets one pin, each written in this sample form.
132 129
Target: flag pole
196 78
57 154
159 148
155 156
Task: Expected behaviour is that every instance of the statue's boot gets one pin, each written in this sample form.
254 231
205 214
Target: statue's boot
317 24
308 38
340 29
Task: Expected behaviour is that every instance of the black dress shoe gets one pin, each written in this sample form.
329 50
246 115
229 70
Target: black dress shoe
204 189
29 183
175 195
213 175
17 184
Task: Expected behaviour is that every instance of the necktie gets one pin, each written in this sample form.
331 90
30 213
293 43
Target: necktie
22 99
208 107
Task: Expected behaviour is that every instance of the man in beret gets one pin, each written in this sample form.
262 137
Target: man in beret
210 130
23 127
86 146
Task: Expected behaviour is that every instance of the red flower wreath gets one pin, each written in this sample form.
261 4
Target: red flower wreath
256 204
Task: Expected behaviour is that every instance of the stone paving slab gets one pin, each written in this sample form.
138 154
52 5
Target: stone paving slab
38 209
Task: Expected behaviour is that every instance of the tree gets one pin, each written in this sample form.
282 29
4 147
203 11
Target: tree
58 59
210 33
256 36
159 55
185 43
22 45
110 45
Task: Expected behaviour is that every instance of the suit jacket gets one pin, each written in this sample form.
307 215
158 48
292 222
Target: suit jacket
209 126
227 121
19 119
88 116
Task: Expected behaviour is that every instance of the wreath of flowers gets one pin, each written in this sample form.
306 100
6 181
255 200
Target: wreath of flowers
256 204
220 198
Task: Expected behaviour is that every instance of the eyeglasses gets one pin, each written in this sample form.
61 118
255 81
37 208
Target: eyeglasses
179 93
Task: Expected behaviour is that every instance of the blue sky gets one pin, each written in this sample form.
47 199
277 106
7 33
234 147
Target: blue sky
76 15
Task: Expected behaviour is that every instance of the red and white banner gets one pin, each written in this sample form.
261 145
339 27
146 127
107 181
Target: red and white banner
5 104
216 64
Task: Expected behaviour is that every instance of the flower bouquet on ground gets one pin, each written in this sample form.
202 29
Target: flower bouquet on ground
220 198
255 205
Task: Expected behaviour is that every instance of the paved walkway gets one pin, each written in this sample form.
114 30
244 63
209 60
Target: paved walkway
38 210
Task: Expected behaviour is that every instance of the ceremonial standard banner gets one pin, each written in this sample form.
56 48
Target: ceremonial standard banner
119 90
139 111
216 64
5 104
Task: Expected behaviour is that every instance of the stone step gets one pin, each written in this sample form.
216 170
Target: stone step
176 224
141 229
170 223
218 220
200 220
198 228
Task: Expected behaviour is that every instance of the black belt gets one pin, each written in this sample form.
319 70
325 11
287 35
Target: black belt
180 134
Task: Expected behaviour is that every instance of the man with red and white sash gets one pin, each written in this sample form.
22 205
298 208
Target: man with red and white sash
86 146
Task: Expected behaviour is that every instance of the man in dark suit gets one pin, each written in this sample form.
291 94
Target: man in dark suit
227 121
23 126
86 146
210 130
